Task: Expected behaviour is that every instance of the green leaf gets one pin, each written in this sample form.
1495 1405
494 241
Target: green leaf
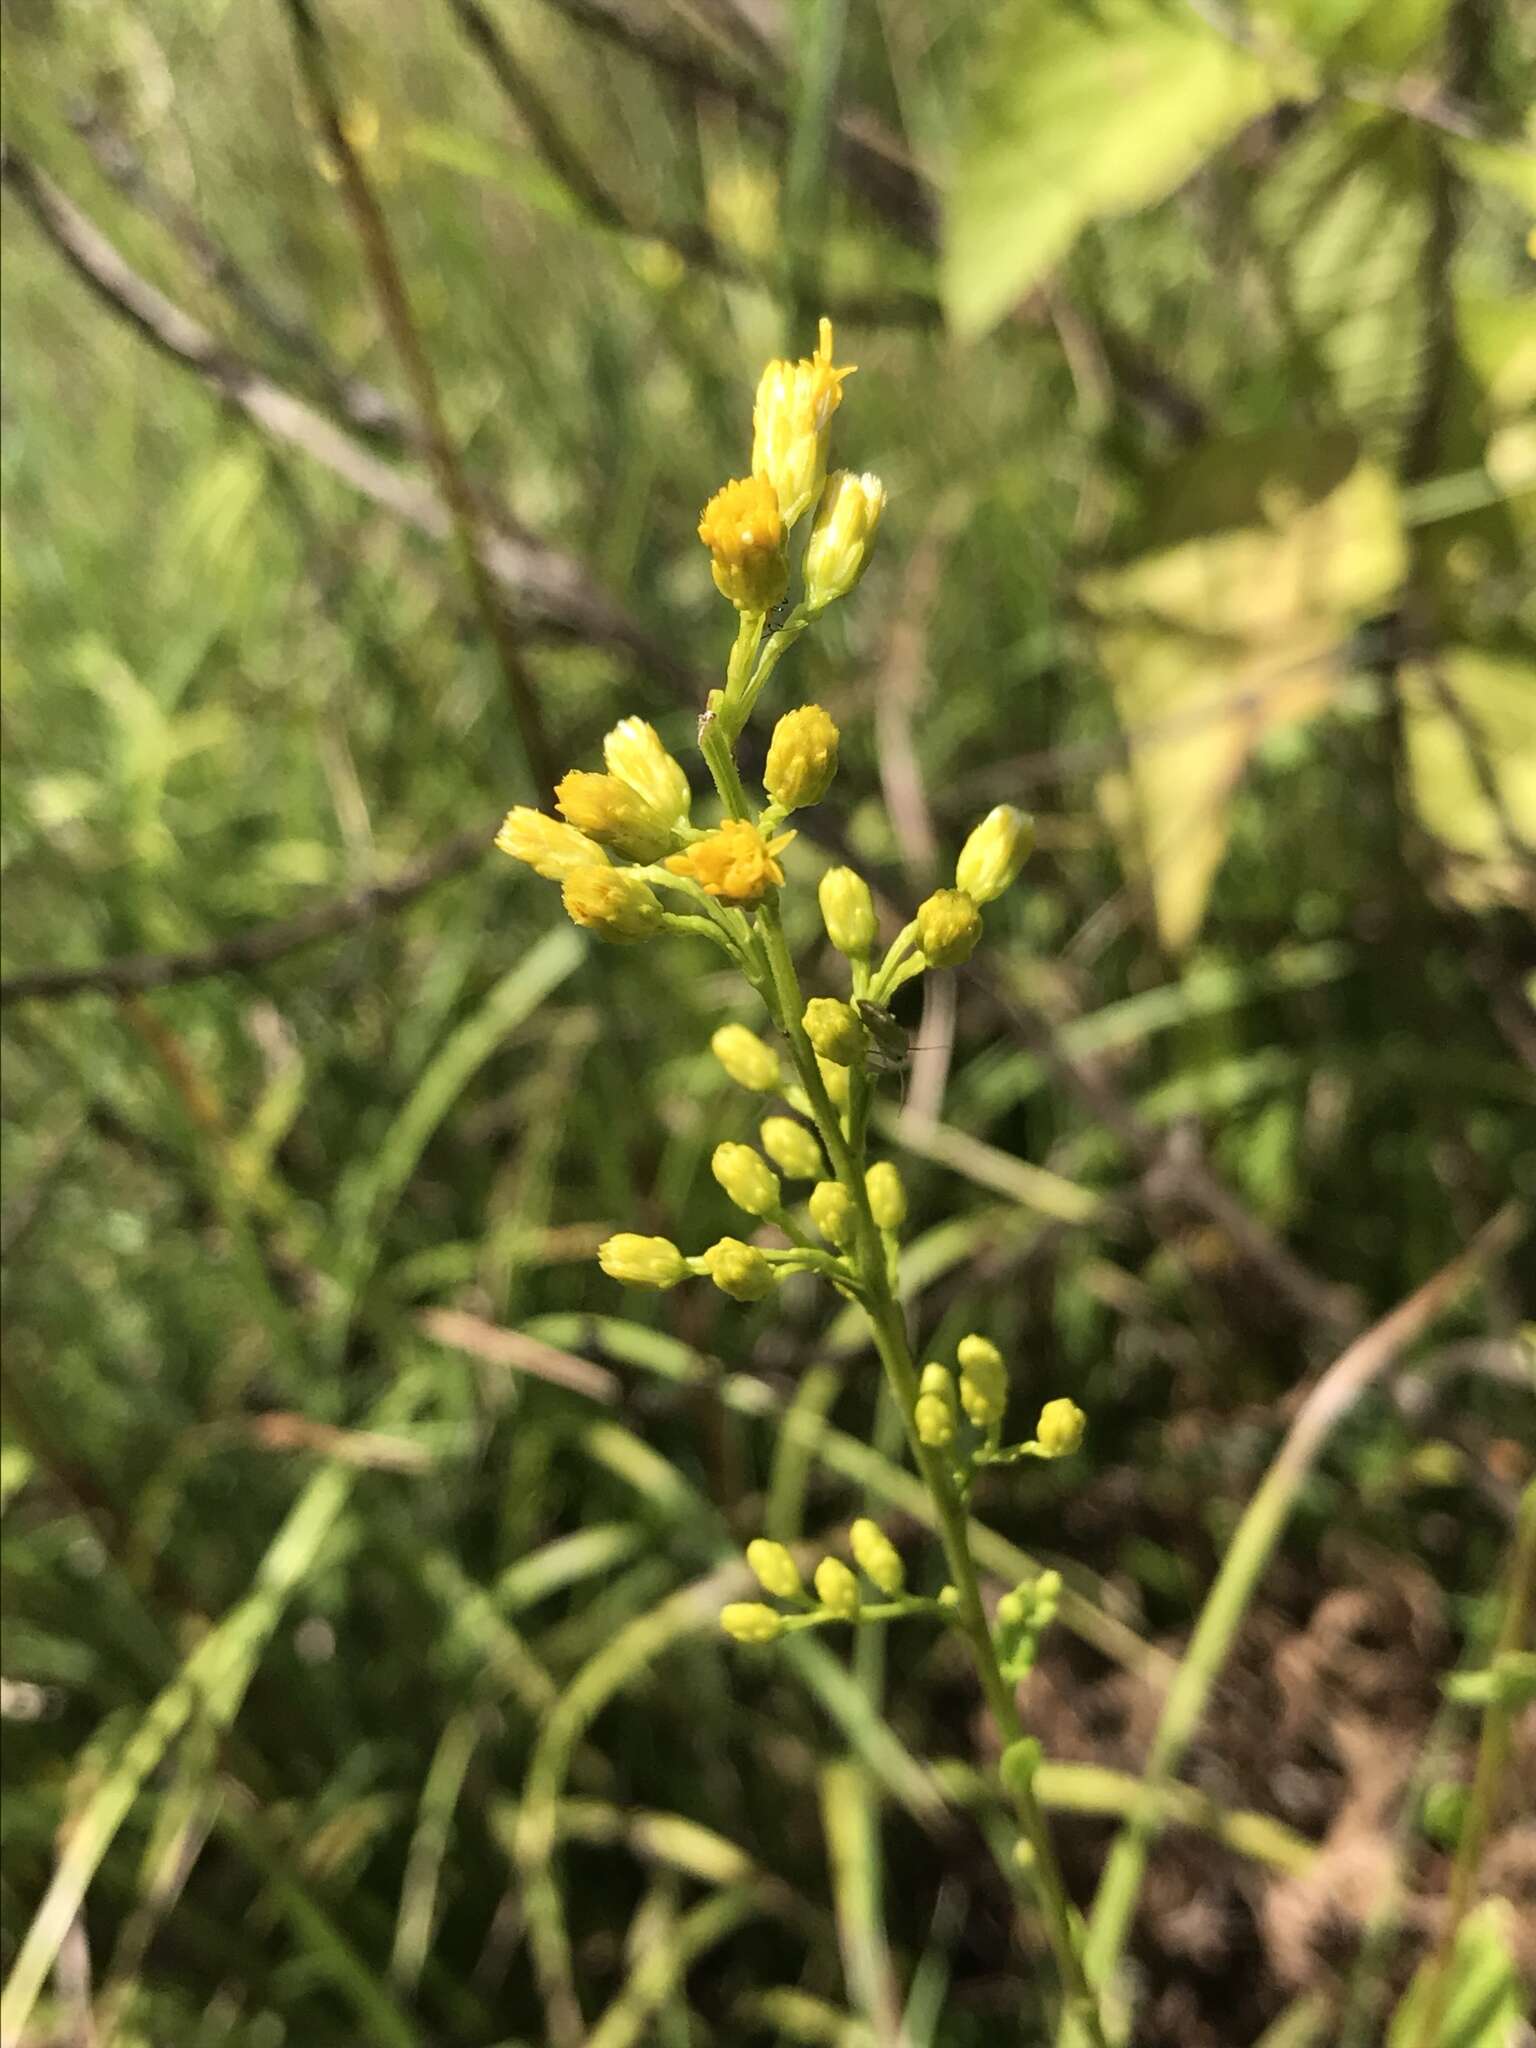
1482 2004
1082 117
1233 619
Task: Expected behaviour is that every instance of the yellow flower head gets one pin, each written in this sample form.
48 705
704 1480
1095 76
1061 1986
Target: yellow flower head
842 536
993 854
1060 1429
983 1381
837 1588
802 758
792 1148
887 1195
633 751
831 1210
738 1269
834 1030
934 1414
876 1556
613 814
548 847
774 1569
642 1261
745 1058
744 531
611 903
791 425
848 911
735 863
751 1621
948 926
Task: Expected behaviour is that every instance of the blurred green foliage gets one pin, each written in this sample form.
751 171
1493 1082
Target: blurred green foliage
353 1655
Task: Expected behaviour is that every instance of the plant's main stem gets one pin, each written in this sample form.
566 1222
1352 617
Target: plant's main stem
845 1150
888 1326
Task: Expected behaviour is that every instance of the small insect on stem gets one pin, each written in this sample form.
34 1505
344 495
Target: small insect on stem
890 1050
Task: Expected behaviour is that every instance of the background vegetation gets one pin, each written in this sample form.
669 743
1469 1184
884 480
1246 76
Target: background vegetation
362 1544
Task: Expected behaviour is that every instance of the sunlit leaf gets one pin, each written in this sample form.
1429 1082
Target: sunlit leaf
1232 620
1083 115
1469 726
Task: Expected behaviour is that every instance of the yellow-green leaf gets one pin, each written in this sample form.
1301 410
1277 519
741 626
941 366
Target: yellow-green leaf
1084 114
1233 617
1469 728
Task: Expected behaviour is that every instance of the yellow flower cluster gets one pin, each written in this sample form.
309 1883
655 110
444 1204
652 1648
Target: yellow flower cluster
837 1595
637 810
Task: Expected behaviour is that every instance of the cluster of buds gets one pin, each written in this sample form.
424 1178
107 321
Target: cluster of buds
1021 1620
631 862
835 1593
982 1392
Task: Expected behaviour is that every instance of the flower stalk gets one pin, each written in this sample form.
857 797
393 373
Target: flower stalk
838 1046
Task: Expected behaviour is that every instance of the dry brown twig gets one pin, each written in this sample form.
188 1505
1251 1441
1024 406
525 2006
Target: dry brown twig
247 951
551 586
464 512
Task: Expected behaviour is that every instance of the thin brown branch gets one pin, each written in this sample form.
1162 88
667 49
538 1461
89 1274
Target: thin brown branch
361 404
1181 1173
691 240
873 162
389 284
1355 1369
248 951
549 584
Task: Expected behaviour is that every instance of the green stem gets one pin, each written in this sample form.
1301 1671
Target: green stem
878 1299
1488 1774
889 1329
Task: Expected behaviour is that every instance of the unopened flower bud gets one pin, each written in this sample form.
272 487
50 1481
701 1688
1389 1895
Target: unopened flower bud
948 926
633 751
831 1208
745 1058
802 758
887 1196
611 903
1060 1428
738 1269
835 1080
550 848
843 536
773 1568
613 814
934 1414
747 1178
983 1381
1013 1610
642 1261
834 1030
837 1588
848 911
792 1148
749 1621
743 528
791 421
993 854
877 1556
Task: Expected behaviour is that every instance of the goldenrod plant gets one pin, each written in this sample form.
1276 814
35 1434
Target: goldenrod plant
632 861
